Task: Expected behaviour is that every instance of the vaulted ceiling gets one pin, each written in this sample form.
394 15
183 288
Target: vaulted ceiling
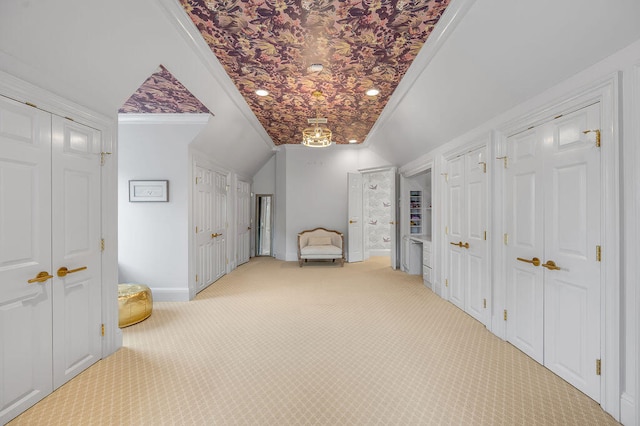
272 45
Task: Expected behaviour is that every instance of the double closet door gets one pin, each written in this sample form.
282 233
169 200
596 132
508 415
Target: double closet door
50 253
466 237
211 225
553 225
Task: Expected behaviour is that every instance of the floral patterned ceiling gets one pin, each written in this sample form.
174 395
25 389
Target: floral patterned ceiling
271 44
162 93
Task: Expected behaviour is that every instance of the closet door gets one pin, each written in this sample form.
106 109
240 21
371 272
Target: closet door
554 229
25 253
220 226
203 218
456 231
76 248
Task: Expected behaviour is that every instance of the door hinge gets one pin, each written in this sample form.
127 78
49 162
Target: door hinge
506 239
101 244
484 303
446 230
446 283
598 367
31 105
103 157
503 158
102 329
484 166
446 176
598 254
196 277
505 314
196 229
597 132
485 235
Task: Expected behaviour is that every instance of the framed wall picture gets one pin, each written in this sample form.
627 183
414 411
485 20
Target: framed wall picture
148 190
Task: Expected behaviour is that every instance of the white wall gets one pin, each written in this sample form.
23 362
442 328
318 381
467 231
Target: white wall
627 63
315 190
153 241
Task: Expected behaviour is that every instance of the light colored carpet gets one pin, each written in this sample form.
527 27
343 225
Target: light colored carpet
275 344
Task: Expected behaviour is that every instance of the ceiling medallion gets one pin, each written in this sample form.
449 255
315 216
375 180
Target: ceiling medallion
317 136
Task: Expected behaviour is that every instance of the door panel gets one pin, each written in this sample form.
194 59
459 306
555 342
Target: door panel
220 226
572 232
25 251
204 190
475 270
76 244
524 221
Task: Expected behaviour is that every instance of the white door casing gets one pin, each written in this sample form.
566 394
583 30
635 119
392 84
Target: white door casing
243 201
355 228
393 222
553 215
220 225
25 251
76 245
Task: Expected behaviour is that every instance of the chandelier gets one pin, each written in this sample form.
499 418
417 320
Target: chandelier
317 136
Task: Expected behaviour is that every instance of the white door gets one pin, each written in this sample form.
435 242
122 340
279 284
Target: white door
203 220
393 223
476 281
572 230
467 229
76 248
25 252
244 222
524 200
456 230
554 217
355 229
220 226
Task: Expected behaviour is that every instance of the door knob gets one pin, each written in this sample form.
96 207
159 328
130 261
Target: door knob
551 265
460 244
40 278
248 228
63 272
353 221
214 235
535 261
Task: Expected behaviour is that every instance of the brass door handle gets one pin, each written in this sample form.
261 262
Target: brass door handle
62 272
248 228
535 261
215 235
353 221
460 244
551 265
40 278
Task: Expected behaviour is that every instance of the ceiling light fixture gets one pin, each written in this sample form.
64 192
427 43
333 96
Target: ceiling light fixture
262 92
353 141
317 136
316 67
372 92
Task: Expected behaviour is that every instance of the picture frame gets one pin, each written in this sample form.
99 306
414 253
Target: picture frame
148 191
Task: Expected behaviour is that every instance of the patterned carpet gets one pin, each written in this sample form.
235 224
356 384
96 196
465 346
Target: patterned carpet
275 344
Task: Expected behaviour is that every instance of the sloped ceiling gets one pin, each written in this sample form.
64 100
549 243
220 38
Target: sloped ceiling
271 44
162 93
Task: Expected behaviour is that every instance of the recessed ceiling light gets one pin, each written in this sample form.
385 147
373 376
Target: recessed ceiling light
316 67
353 141
372 92
262 92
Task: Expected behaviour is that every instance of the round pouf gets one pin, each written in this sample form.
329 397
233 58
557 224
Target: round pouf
135 304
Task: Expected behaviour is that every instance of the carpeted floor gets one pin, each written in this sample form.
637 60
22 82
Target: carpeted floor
275 344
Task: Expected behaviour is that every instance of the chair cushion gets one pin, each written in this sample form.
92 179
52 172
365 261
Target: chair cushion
318 252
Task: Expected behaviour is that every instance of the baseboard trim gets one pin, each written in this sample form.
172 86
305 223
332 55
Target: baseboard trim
379 252
170 294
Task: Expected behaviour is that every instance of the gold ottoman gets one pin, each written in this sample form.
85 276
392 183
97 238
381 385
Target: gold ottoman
134 302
